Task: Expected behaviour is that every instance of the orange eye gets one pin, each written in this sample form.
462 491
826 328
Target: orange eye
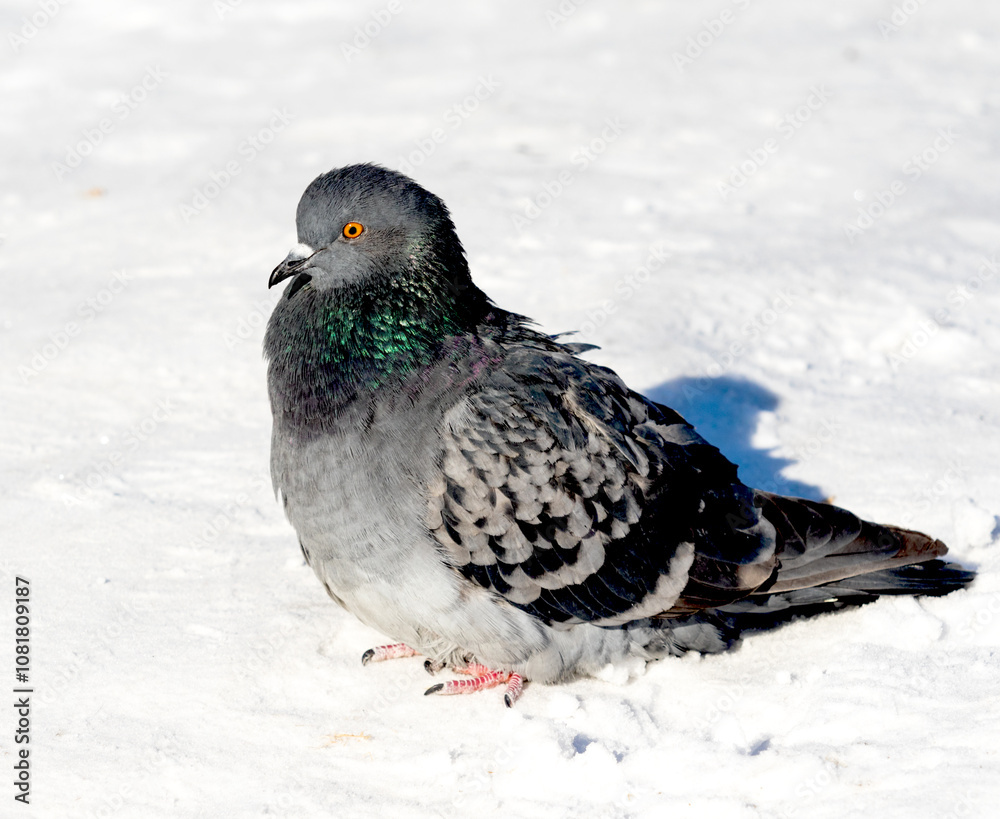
352 230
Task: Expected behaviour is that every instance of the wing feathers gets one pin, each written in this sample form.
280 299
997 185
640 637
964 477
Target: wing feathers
567 494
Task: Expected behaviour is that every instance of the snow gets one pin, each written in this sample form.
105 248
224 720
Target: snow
830 322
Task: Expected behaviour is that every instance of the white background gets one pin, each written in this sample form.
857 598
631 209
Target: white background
187 663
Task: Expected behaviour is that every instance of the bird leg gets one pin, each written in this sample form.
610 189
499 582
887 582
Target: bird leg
389 652
482 678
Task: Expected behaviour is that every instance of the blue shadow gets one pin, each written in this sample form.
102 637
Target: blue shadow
724 410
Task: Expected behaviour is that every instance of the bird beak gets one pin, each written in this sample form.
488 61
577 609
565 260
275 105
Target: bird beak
296 261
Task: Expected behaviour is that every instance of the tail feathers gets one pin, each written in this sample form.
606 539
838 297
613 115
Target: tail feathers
827 559
933 577
715 630
820 544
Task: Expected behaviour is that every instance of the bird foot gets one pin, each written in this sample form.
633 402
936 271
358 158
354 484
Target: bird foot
389 652
482 678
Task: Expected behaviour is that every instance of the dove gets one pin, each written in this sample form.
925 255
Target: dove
489 499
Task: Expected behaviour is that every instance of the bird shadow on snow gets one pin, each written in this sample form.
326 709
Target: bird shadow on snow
725 411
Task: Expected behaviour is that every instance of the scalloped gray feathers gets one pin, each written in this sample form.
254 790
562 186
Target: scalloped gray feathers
578 500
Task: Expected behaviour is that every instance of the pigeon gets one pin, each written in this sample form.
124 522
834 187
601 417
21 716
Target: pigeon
491 500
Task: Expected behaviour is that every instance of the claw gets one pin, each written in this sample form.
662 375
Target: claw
515 685
433 666
482 678
389 652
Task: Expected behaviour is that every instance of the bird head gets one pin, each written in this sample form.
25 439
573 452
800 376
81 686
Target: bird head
369 228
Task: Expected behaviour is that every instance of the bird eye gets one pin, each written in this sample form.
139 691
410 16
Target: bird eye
352 230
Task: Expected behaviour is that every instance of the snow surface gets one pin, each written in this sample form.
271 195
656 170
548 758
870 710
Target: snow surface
186 663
